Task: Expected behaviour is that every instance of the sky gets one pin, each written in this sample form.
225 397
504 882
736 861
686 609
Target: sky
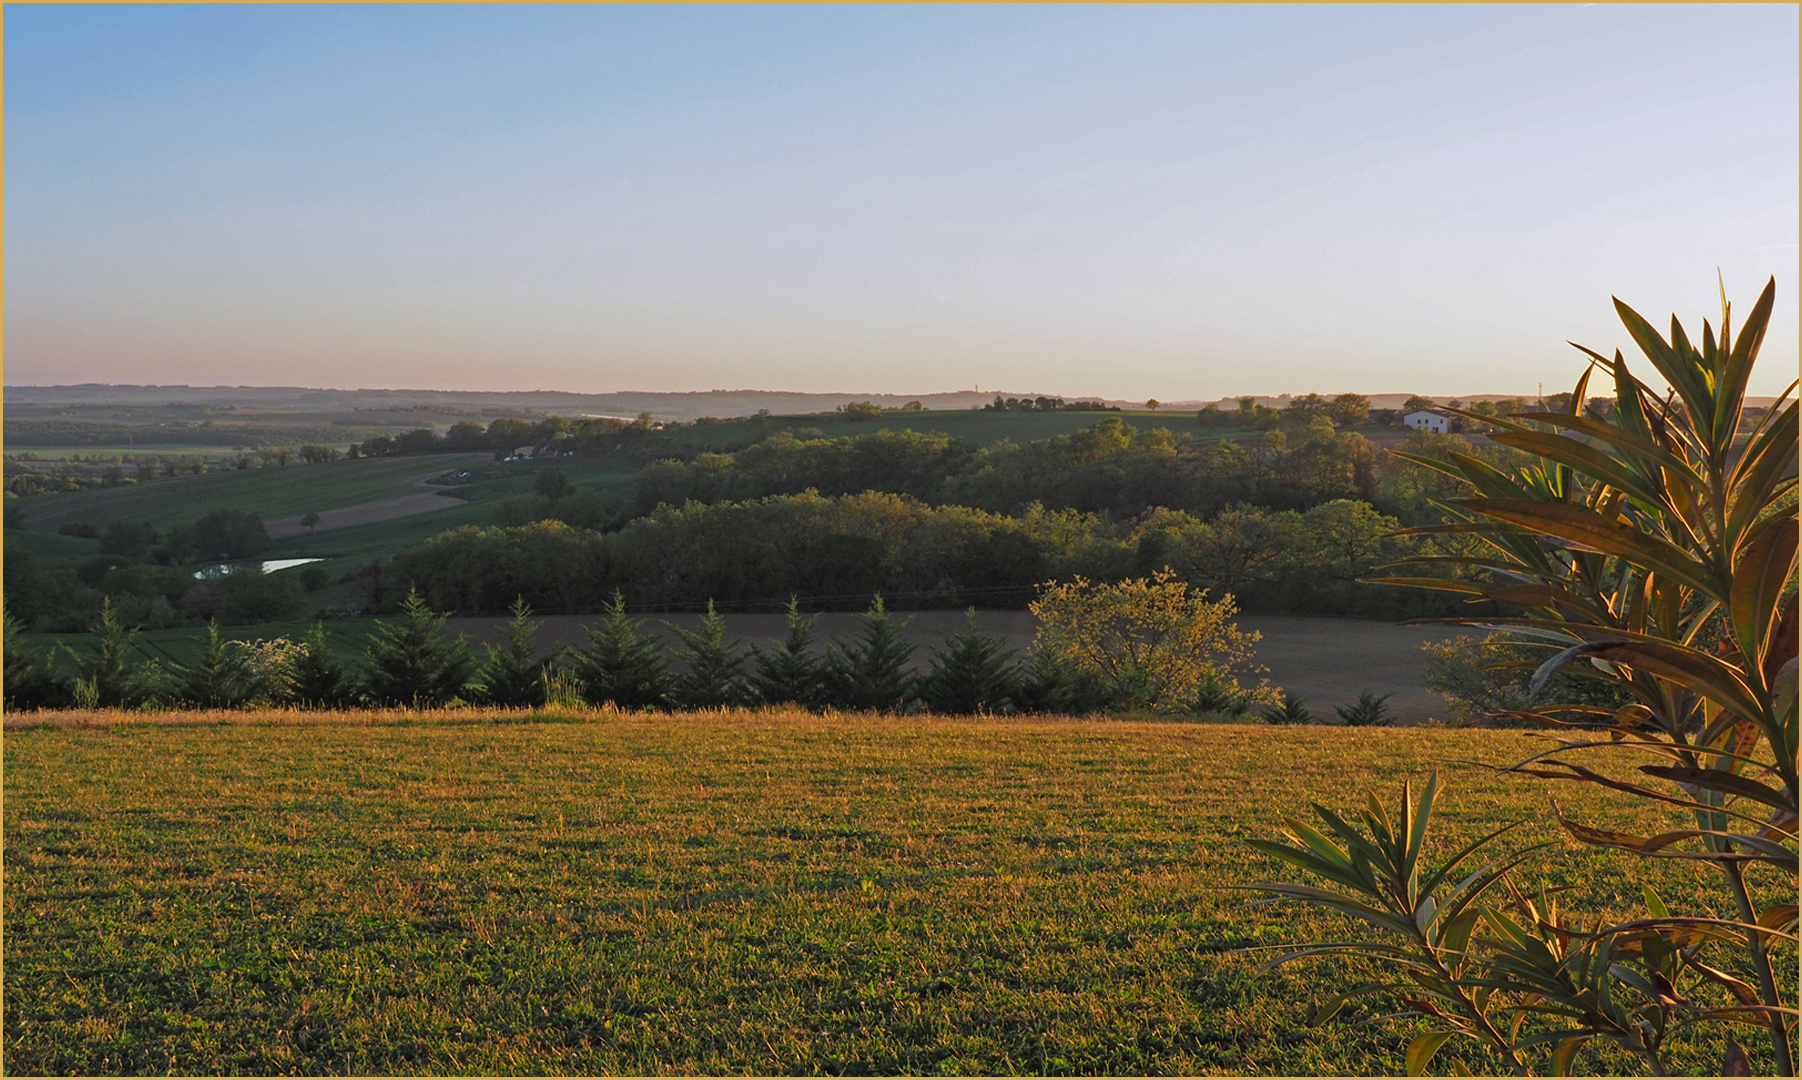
1184 202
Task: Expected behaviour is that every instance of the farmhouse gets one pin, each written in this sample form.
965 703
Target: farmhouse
1427 420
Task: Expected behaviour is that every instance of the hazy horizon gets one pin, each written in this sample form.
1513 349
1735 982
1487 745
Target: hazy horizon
1186 203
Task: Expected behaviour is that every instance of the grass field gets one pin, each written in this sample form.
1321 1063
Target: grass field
773 893
64 453
272 493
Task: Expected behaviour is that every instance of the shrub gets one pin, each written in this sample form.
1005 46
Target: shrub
1150 643
1486 681
107 677
220 679
1654 541
1048 683
320 681
1216 696
30 680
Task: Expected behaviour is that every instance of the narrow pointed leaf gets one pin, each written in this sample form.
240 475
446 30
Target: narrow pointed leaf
1577 525
1421 1051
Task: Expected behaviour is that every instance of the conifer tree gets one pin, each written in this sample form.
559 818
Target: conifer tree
970 674
220 679
1050 684
512 674
871 673
30 680
320 681
621 665
715 675
411 662
794 673
110 676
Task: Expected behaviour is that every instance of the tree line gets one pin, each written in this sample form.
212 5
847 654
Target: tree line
1111 467
836 550
1182 654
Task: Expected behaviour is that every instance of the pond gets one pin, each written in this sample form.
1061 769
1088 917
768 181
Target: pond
268 566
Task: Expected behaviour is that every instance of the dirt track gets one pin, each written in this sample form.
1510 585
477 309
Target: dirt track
363 514
1326 661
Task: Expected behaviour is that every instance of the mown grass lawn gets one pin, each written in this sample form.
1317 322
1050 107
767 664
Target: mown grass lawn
751 892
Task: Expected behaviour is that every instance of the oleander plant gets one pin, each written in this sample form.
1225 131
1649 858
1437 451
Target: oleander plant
1649 544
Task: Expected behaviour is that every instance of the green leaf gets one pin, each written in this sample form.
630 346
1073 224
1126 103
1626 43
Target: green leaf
1565 1053
1763 572
1694 670
1591 835
1584 527
1736 368
1422 819
1677 370
1442 584
1422 1049
1722 780
1762 471
1654 455
1587 460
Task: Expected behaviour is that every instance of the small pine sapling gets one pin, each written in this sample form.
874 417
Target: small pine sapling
220 679
871 673
715 668
1368 712
512 675
320 681
107 677
1293 710
1048 683
793 674
411 662
970 674
621 665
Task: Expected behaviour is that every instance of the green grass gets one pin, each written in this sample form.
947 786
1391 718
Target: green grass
51 546
273 493
773 893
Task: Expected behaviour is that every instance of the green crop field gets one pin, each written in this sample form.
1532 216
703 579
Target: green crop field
64 453
51 545
272 493
775 893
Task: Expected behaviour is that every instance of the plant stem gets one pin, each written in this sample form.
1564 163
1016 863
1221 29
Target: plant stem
1761 963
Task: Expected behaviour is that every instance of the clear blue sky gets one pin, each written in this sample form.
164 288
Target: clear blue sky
1184 202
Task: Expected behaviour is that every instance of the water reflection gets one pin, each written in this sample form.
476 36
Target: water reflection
267 566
